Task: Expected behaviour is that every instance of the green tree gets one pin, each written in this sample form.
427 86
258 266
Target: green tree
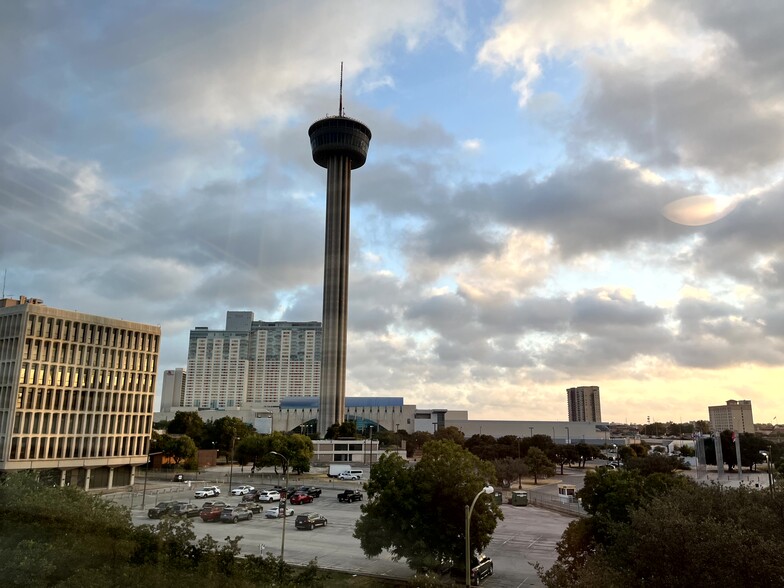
508 469
416 441
564 454
716 529
450 433
187 423
538 464
418 513
220 433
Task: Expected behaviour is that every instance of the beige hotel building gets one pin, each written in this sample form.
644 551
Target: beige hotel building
76 394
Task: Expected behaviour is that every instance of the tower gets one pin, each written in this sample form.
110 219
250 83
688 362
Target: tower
339 144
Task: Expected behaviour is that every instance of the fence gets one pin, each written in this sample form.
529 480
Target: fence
555 503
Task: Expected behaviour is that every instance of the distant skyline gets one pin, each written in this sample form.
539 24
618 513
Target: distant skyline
559 194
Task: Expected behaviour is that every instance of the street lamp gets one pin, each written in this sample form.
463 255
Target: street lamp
286 476
371 445
766 454
231 462
146 471
532 431
486 490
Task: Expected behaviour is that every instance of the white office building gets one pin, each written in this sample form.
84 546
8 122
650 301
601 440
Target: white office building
734 416
252 363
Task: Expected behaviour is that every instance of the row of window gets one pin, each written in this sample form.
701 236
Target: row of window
24 448
88 355
79 332
69 423
79 377
83 400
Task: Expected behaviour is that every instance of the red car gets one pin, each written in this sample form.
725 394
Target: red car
301 498
212 513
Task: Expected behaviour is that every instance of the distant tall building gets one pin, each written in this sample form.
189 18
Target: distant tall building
173 389
76 394
584 404
252 362
734 416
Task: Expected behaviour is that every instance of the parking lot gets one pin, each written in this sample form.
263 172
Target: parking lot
527 535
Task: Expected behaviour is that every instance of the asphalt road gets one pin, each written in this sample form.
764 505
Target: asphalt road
525 536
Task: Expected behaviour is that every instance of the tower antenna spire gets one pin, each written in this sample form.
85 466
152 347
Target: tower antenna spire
340 107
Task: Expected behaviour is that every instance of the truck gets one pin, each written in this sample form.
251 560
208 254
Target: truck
349 496
336 468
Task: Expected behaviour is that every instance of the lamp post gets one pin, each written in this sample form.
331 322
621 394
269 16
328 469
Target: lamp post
486 490
231 461
286 476
532 431
766 454
146 470
371 445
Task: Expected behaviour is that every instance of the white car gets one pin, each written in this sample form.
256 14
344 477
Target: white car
269 496
241 490
277 512
207 492
347 476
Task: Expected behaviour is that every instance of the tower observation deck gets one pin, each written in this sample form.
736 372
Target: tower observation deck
339 144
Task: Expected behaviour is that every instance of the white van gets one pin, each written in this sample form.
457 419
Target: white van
350 475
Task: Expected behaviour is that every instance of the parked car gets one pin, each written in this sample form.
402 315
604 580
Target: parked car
185 509
207 492
232 514
161 509
253 507
219 503
212 513
300 497
277 512
269 496
350 475
252 496
309 521
483 567
349 496
178 478
313 491
241 490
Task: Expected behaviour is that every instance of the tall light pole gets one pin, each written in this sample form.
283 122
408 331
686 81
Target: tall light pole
766 454
532 431
486 490
286 477
231 461
371 445
146 470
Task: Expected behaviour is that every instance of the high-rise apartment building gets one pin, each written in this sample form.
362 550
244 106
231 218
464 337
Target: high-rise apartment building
173 389
252 362
734 416
584 404
76 393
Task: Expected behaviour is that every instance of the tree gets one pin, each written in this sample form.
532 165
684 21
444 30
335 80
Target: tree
508 469
538 464
418 513
187 423
564 454
257 449
178 448
224 433
716 528
415 442
450 433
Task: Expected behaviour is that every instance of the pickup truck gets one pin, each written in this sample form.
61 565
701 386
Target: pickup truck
349 496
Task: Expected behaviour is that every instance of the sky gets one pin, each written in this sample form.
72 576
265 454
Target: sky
557 193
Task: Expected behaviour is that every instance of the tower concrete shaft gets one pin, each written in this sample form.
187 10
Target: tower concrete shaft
339 144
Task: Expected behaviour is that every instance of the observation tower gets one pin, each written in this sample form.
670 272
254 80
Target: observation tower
340 144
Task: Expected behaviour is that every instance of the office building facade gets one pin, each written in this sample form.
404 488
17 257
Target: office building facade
76 394
735 415
252 363
583 403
